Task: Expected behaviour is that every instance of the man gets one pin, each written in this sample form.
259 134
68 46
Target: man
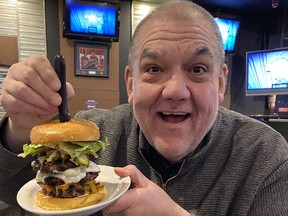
93 61
185 154
84 61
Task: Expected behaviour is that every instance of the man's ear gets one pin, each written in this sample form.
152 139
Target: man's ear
129 83
223 78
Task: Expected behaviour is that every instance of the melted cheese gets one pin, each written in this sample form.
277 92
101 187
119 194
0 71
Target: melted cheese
72 175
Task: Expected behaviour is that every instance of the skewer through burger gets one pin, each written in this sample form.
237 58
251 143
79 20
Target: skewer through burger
66 171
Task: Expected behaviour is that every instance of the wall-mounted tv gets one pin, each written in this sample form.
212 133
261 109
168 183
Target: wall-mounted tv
91 20
229 31
267 72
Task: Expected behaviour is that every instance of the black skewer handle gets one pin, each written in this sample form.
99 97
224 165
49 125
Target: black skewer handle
60 68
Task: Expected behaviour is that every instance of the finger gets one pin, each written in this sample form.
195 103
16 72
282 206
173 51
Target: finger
13 105
49 77
25 94
33 80
136 176
124 202
70 90
47 73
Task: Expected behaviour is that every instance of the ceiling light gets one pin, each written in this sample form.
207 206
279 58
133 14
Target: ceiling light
275 3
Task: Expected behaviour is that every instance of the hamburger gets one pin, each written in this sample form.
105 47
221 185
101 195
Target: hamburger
65 155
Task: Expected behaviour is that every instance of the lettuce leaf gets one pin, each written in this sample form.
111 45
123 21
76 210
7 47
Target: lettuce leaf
90 147
74 149
32 149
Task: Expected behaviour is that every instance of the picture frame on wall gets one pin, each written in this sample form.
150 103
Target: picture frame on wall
91 59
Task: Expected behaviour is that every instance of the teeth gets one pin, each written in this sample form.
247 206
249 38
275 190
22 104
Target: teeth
167 113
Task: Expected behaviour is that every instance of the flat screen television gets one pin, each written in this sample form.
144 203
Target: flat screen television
91 20
267 72
229 31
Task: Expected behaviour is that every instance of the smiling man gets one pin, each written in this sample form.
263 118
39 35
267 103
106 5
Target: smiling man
185 154
175 84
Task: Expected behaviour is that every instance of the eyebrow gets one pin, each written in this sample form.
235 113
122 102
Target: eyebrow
149 53
153 54
203 50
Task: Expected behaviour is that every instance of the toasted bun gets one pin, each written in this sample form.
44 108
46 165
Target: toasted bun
73 130
56 204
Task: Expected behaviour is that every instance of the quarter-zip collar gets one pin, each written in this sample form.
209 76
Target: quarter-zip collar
189 164
165 170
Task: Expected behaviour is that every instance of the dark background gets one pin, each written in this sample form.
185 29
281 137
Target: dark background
261 27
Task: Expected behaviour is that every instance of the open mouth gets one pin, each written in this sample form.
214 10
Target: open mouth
174 117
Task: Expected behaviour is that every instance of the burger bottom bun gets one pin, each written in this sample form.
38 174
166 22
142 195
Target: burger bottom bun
56 204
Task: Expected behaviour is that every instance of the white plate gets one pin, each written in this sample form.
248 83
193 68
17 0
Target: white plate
115 186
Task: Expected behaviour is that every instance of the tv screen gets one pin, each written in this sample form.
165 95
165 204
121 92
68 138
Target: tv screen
267 72
91 20
229 30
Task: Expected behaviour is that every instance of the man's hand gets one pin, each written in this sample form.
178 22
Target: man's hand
29 96
146 198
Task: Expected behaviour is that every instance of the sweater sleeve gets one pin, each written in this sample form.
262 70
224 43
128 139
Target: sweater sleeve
14 172
272 197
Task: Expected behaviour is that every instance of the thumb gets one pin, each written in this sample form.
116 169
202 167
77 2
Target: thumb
136 176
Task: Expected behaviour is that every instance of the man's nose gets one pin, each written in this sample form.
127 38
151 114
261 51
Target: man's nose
176 87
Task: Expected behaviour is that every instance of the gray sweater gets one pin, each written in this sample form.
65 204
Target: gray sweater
240 168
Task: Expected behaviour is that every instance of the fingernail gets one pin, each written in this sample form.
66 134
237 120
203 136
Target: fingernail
55 100
55 85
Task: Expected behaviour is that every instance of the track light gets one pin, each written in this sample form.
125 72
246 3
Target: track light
275 3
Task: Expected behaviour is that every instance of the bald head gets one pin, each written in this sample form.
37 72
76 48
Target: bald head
179 10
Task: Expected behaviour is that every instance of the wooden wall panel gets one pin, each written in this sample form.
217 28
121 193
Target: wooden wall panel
8 50
104 99
103 90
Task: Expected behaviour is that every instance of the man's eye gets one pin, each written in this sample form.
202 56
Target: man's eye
198 69
152 69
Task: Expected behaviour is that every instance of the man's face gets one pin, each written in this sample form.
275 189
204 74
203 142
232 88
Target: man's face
175 86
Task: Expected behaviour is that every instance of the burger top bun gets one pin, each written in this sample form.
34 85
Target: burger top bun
73 130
